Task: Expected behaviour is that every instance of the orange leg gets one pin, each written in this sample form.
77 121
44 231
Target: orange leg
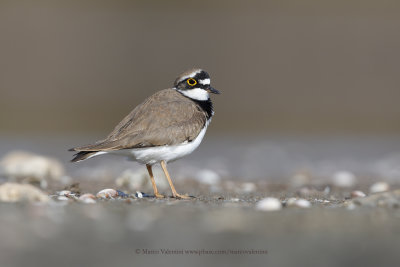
153 182
174 193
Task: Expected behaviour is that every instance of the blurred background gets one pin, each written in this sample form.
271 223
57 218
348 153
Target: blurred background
312 84
282 66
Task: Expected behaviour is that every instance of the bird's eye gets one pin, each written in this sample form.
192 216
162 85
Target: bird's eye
191 82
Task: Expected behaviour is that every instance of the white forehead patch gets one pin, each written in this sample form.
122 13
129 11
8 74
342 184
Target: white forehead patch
205 81
196 94
190 75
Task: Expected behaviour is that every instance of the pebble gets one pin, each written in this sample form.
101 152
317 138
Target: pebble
384 199
357 193
22 164
13 192
379 187
139 194
208 177
122 194
269 204
87 198
139 179
107 193
290 201
300 203
344 179
322 200
62 198
134 180
64 193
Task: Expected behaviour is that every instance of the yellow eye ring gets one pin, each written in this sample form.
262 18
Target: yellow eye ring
191 82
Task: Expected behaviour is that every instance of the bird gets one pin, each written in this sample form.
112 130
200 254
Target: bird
167 126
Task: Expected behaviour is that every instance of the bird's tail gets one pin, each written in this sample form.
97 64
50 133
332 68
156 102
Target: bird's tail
82 155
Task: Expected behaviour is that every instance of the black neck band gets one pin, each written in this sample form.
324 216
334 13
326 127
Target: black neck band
205 105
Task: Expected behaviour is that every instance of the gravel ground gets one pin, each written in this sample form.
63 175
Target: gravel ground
215 228
276 203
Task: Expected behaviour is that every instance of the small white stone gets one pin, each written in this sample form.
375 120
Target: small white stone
302 203
133 179
379 187
87 195
88 201
13 192
62 198
139 179
321 200
107 193
291 201
208 177
269 204
344 179
87 198
22 164
139 194
357 193
64 193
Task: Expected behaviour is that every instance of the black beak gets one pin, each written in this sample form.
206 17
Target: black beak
212 90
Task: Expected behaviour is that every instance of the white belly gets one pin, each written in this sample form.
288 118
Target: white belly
152 155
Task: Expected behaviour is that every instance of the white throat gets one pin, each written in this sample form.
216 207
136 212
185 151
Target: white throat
196 94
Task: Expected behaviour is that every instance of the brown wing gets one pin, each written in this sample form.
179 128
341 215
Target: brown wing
165 118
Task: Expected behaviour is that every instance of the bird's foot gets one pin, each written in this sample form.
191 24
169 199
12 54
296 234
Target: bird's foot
157 195
179 196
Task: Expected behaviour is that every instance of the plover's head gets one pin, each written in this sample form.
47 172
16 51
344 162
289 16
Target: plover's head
195 84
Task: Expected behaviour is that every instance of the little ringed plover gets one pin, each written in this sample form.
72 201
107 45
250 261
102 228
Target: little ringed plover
167 126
